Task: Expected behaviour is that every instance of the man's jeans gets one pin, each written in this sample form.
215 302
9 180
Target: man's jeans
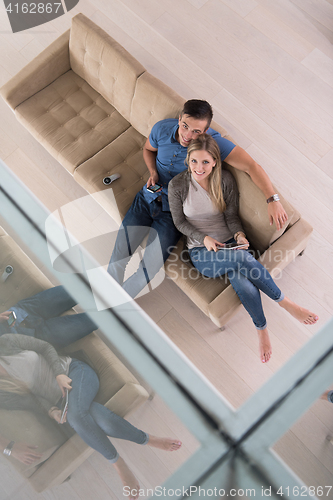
141 219
44 309
92 421
246 275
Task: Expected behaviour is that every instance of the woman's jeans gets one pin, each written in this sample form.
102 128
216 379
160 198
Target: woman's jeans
92 421
246 275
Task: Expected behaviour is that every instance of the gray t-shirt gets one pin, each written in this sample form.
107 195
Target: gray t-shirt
200 211
34 371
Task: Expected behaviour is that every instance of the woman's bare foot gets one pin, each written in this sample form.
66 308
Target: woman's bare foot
167 444
128 478
303 315
265 347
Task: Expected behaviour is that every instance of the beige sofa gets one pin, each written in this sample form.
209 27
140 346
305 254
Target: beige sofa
119 389
92 106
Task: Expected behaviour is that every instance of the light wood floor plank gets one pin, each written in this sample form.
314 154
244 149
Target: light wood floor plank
240 7
225 19
228 52
298 21
326 163
320 476
280 33
315 118
321 65
320 10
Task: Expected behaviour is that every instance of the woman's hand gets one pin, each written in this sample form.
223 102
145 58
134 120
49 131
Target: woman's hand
55 413
25 453
64 383
241 240
212 244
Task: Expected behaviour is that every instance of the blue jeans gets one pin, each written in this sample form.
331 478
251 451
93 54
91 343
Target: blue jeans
44 310
141 219
92 421
247 276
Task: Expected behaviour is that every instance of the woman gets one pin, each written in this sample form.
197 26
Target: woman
33 377
204 207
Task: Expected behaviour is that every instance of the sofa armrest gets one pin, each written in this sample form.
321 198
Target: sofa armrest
49 65
75 451
285 249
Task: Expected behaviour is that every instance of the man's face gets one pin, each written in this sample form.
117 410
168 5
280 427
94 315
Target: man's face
189 128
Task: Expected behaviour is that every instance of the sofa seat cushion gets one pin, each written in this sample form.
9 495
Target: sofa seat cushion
71 120
122 156
201 289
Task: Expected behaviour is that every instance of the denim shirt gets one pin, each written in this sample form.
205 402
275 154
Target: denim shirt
171 155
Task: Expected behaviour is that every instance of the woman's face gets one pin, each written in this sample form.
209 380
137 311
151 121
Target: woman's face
201 165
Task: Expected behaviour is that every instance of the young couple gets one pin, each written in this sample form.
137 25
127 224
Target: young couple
34 377
204 207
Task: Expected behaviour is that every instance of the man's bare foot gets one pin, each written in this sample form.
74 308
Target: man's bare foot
167 444
303 315
265 347
128 478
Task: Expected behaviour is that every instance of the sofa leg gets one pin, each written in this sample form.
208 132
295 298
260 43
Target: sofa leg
151 396
222 328
301 253
67 479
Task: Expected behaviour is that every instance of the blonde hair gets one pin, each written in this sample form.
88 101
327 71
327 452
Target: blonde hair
13 386
205 142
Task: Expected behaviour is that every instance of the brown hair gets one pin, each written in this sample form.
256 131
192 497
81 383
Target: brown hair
205 142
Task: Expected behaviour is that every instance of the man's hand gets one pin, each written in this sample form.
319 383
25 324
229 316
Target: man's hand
64 383
153 179
277 214
212 244
4 316
25 453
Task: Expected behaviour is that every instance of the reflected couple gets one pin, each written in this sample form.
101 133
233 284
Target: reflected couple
34 377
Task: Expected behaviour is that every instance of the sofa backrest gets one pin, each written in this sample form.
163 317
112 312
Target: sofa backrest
153 101
103 63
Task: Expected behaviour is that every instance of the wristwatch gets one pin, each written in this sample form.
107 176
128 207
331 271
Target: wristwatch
8 450
275 197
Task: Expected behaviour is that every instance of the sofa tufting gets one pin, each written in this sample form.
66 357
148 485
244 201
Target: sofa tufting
92 106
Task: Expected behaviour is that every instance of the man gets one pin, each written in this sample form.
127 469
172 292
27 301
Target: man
164 154
39 316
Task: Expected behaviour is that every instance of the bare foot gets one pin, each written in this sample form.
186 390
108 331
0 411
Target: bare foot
167 444
325 396
265 347
128 478
303 315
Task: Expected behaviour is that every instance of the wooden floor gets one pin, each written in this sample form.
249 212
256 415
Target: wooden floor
266 66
